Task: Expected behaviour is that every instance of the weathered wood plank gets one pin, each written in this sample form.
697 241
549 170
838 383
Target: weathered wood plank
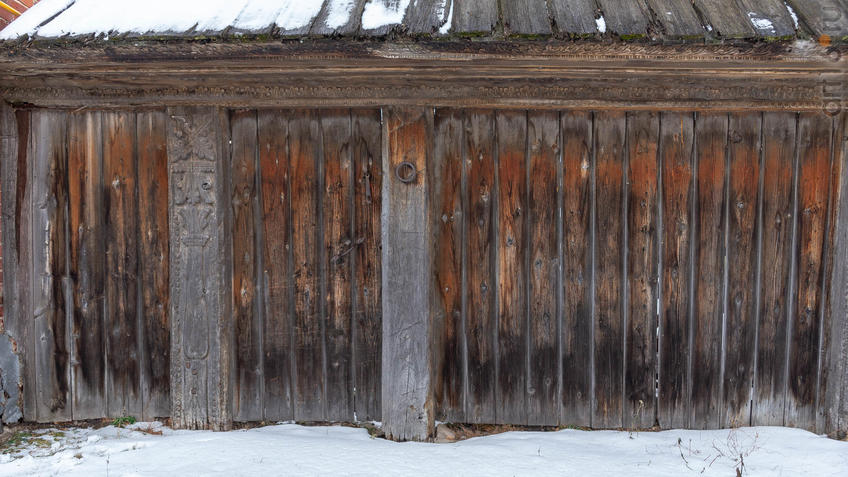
480 313
247 317
626 18
725 18
367 308
814 168
543 368
641 265
677 18
677 305
574 17
336 259
511 266
123 367
824 17
770 18
526 17
87 263
152 143
577 275
609 136
709 243
338 17
474 16
426 16
447 206
740 321
49 228
407 408
778 211
305 145
277 277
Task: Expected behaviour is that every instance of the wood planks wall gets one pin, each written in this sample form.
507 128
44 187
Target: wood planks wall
626 269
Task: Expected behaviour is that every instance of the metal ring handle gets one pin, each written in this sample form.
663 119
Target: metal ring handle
405 172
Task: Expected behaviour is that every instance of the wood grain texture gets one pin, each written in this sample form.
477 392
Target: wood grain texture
626 18
49 229
677 304
814 169
447 208
336 259
777 219
407 404
578 272
87 263
740 322
770 18
526 17
247 317
480 324
574 17
277 279
512 249
543 368
474 16
426 16
678 19
367 296
725 17
709 240
823 17
609 333
351 8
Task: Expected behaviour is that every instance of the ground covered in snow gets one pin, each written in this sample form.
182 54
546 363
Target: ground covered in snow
288 449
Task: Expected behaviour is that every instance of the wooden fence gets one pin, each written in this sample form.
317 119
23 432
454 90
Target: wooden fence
603 269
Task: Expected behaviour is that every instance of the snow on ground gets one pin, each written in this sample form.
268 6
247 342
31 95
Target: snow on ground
290 449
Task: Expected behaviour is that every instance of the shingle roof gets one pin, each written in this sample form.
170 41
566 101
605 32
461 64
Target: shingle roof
687 20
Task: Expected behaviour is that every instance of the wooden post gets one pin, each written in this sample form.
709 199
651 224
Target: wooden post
407 265
201 263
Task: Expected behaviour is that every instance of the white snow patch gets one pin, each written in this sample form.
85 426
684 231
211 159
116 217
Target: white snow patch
761 23
335 450
258 15
792 14
602 24
27 23
445 28
339 13
297 14
379 13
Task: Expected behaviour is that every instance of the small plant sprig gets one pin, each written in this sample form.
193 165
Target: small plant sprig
123 421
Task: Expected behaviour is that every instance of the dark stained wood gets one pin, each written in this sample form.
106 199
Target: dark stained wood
574 17
367 308
641 309
121 230
678 19
609 136
305 144
277 278
725 17
526 17
480 314
740 320
336 259
512 249
87 263
814 169
407 408
625 18
770 18
543 369
49 229
577 274
824 17
778 211
153 267
709 243
247 318
447 206
678 174
474 16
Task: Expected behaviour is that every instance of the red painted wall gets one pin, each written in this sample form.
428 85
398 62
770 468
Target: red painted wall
19 5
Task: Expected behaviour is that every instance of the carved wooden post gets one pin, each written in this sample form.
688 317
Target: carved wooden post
407 397
200 264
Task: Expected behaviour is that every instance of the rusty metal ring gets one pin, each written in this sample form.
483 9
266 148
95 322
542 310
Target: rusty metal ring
406 172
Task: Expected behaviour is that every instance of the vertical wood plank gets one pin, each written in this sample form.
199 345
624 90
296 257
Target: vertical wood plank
778 211
676 138
480 318
305 149
711 154
407 406
740 322
336 258
49 228
87 264
367 314
641 337
446 205
577 255
277 279
609 135
512 247
247 318
543 321
814 134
